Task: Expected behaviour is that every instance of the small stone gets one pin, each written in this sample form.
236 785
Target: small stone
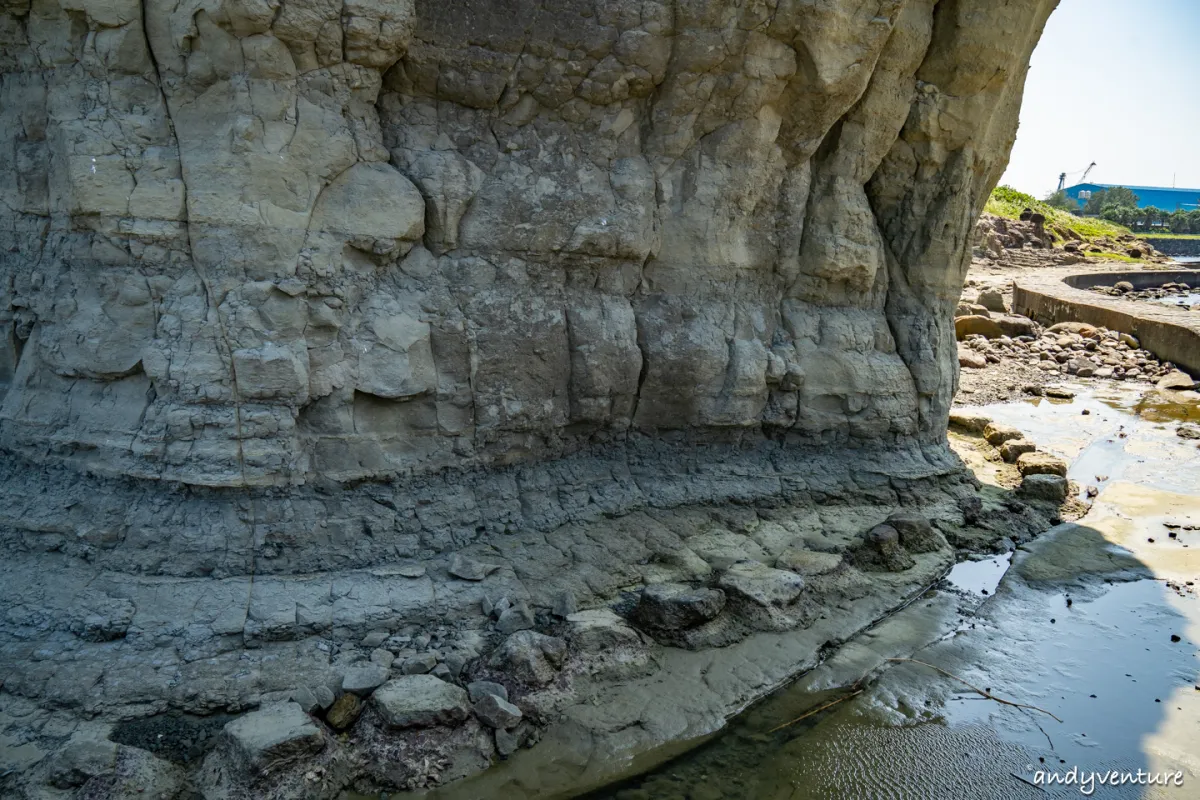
411 570
469 569
969 359
383 658
530 657
1013 449
976 325
274 733
325 696
881 550
1175 637
1059 393
1188 431
442 672
375 638
507 742
1051 488
997 434
1041 464
307 701
993 300
677 606
417 701
419 664
361 679
517 618
917 534
1129 341
1014 325
1177 381
345 710
564 604
477 689
969 421
454 663
1123 286
496 712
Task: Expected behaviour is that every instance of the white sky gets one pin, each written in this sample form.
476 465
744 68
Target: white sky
1116 82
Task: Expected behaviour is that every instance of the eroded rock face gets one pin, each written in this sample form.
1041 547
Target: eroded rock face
322 321
263 243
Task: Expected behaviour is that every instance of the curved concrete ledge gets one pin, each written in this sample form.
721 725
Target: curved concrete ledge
1170 333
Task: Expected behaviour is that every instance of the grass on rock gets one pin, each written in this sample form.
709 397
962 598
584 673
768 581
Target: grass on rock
1007 202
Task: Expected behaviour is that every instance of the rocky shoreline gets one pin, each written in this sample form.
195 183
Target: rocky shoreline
418 705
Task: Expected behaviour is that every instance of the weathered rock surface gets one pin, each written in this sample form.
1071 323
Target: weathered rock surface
674 606
419 701
274 734
320 322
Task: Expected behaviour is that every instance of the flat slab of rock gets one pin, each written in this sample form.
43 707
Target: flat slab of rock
997 434
477 689
677 606
1041 464
762 585
808 563
361 679
974 324
274 733
1178 381
468 569
1051 488
420 701
971 421
1013 449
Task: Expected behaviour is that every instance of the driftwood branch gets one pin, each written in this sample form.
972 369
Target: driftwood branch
808 714
976 689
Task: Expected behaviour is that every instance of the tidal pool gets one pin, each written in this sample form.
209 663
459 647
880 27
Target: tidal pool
1096 624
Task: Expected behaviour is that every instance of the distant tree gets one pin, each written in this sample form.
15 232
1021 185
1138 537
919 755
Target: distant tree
1095 203
1060 200
1150 216
1120 196
1181 221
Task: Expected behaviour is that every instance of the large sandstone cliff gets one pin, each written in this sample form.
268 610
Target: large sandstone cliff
254 243
300 286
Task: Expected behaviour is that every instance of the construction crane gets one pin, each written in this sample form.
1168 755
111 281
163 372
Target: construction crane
1062 178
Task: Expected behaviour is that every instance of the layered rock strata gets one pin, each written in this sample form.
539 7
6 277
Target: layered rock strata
300 301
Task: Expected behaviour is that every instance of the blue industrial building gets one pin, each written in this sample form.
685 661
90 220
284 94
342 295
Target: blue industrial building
1161 197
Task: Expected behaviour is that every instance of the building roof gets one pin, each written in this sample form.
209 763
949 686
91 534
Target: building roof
1135 188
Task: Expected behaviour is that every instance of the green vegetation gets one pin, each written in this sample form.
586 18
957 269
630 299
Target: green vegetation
1009 203
1158 235
1117 257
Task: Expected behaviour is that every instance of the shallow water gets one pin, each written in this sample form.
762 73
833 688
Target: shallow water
1081 627
1186 300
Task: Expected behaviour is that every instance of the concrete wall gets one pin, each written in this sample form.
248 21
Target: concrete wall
1169 333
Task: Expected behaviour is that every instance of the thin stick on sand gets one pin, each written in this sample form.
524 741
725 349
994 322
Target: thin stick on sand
976 689
808 714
